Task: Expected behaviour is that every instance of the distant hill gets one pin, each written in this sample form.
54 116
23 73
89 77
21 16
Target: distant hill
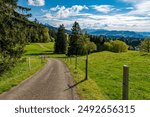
117 34
112 33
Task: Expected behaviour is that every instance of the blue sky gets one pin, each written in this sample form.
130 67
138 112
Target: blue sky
133 15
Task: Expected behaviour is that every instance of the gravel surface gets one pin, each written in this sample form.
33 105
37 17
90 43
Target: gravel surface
50 83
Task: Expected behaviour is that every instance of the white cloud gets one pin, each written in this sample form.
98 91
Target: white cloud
36 2
48 16
103 8
63 12
44 11
109 22
131 20
55 8
141 8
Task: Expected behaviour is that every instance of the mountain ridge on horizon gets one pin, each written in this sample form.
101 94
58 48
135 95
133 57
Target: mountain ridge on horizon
117 33
109 33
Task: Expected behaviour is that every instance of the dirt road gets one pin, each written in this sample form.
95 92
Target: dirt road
50 83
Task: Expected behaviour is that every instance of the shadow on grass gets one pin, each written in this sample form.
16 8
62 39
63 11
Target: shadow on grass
144 54
72 86
41 53
47 55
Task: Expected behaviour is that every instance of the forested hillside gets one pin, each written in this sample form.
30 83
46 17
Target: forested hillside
16 31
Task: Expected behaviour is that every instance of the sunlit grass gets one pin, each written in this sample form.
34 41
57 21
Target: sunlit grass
22 70
105 70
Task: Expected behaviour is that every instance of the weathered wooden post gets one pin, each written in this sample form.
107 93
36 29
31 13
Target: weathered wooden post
65 58
70 59
76 62
41 59
86 67
29 63
125 82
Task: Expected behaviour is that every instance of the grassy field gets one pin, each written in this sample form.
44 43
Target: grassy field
105 73
22 71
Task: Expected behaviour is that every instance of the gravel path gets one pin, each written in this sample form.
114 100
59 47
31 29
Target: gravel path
50 83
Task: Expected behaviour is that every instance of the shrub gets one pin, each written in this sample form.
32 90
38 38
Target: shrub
119 46
107 46
115 46
145 45
92 47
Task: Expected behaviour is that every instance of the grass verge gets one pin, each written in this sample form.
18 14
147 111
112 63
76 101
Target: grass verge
88 89
22 70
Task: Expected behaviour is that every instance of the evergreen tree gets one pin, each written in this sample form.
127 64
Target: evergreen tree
16 31
61 40
75 36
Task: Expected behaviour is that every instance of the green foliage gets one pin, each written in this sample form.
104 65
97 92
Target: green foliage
79 43
91 47
61 42
53 35
119 46
15 32
74 37
38 33
84 45
46 36
21 70
99 41
115 46
145 45
12 36
107 46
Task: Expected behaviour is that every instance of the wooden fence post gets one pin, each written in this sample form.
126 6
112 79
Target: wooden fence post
76 62
70 59
29 63
125 82
86 68
41 59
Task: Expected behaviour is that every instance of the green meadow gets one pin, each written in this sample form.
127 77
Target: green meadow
104 76
106 73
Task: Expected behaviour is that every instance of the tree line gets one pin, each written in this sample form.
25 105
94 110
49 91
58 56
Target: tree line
75 43
79 43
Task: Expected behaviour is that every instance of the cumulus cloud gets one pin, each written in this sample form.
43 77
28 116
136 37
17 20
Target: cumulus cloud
136 17
103 8
63 12
117 22
141 8
36 2
55 8
48 16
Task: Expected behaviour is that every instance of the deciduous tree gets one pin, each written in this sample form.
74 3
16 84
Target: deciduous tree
145 45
